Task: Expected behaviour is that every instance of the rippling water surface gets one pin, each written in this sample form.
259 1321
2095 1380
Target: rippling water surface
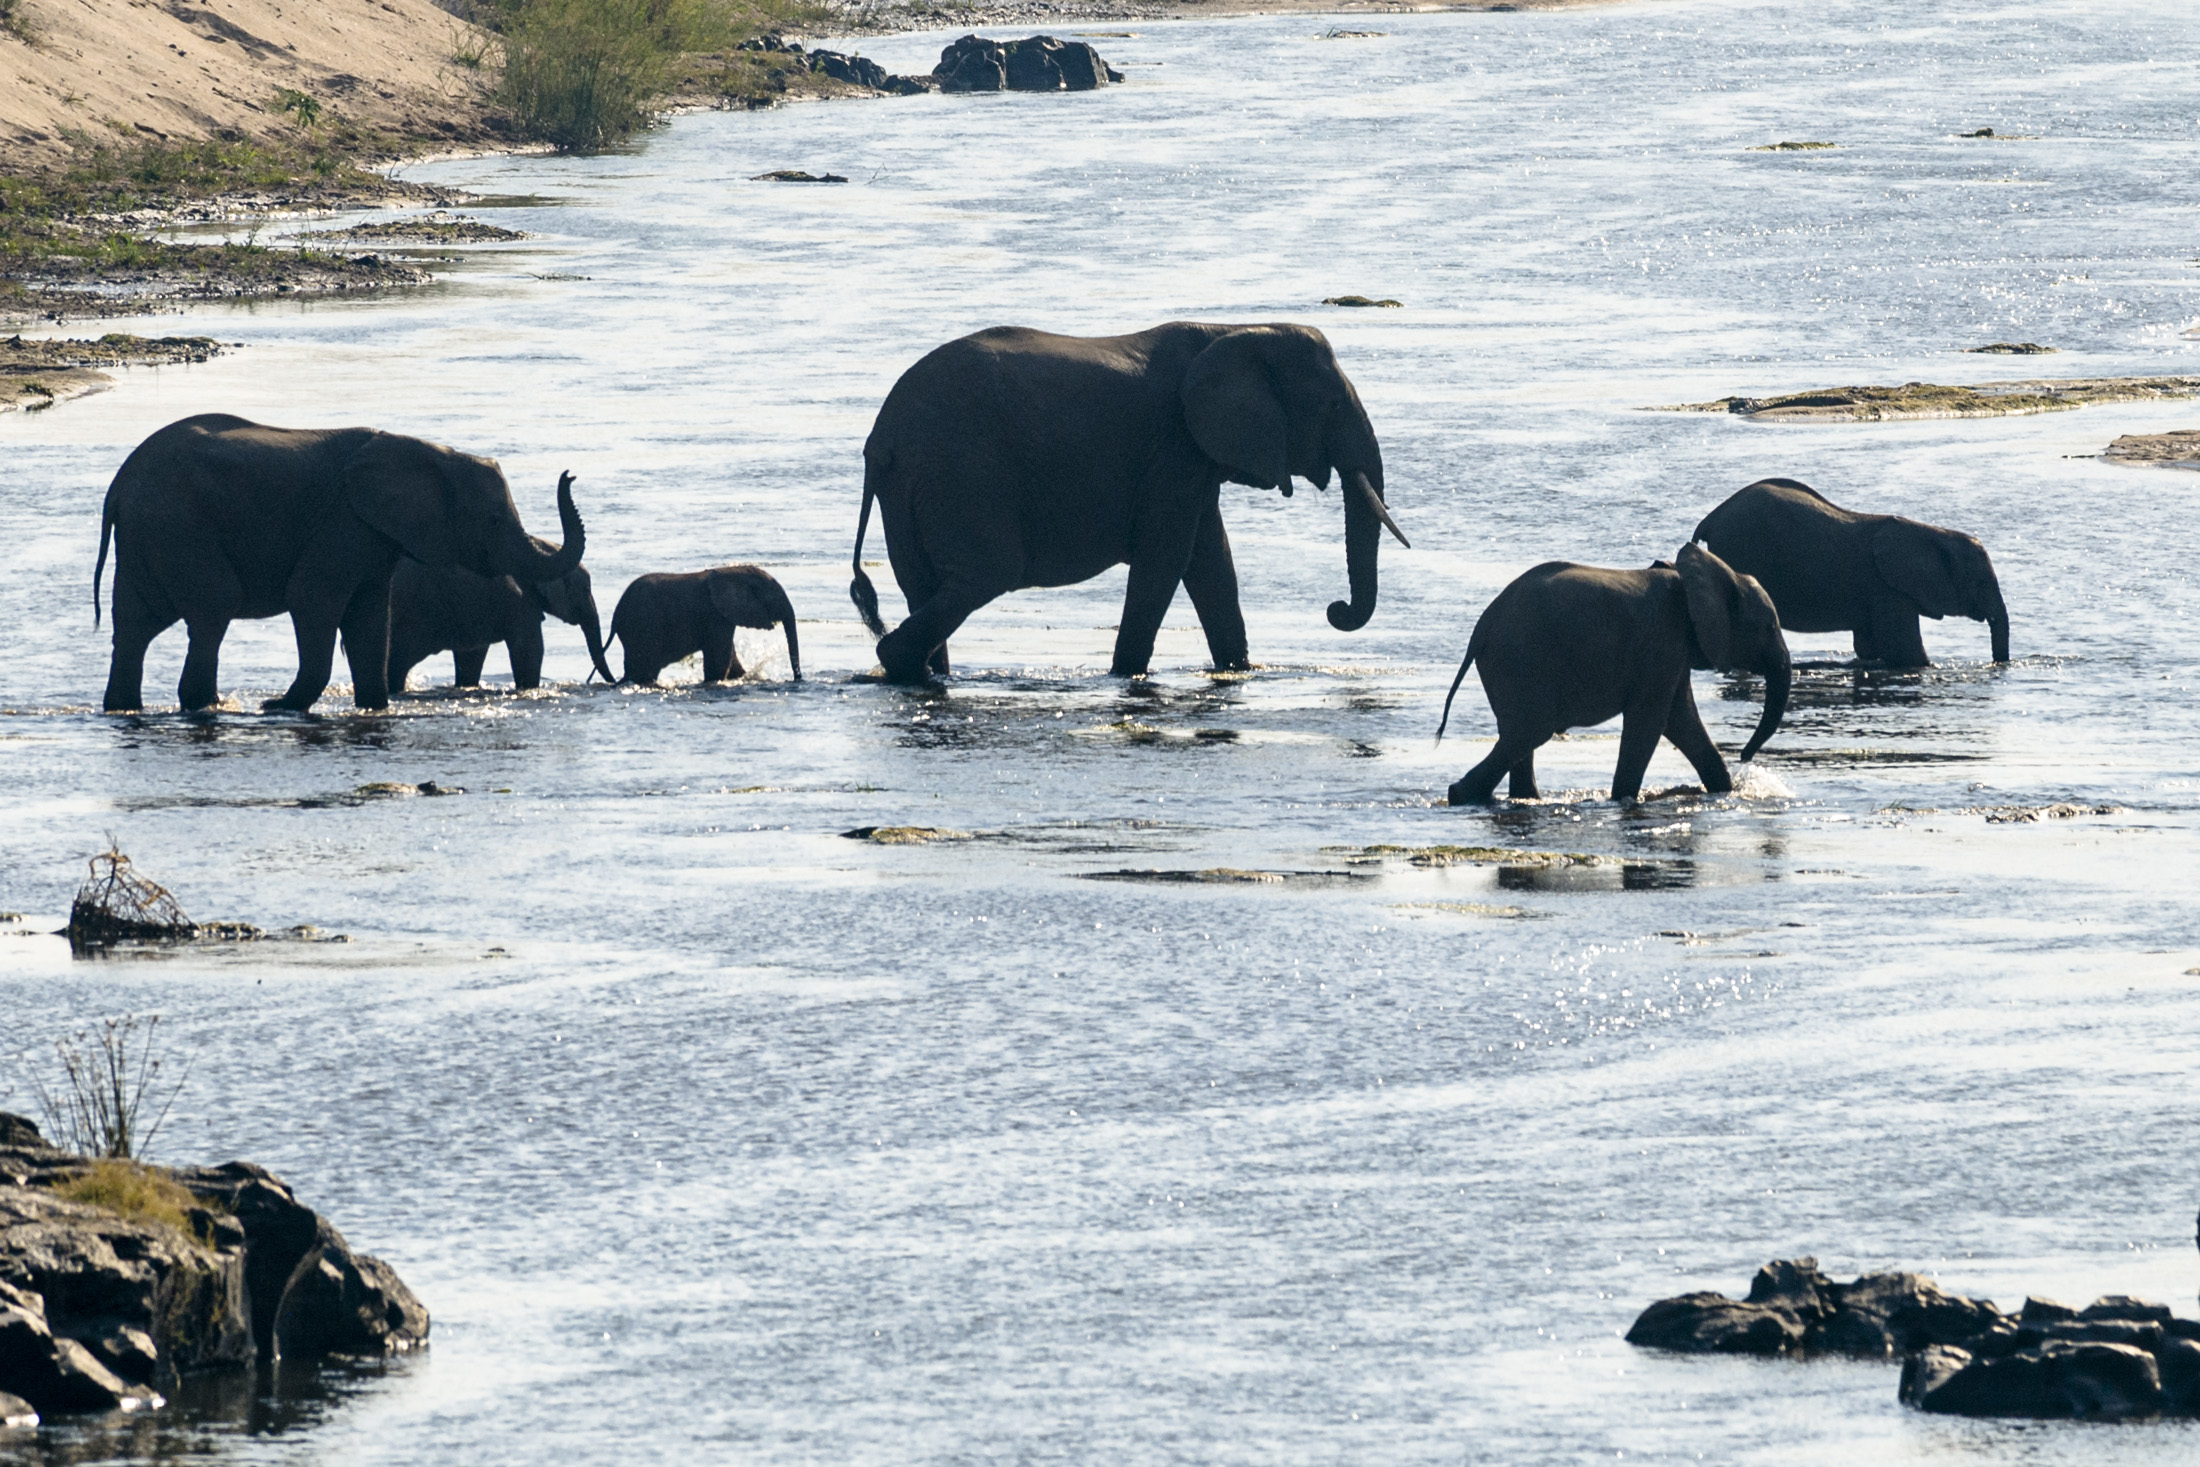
709 1133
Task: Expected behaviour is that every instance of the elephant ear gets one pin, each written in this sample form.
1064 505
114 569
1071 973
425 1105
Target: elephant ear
1233 412
1711 589
737 601
400 487
561 598
1910 558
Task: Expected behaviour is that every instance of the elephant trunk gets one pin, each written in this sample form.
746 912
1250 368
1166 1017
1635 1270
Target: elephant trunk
1777 680
1363 528
1998 625
528 559
592 629
783 609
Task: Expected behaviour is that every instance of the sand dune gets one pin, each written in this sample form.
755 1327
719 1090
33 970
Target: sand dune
186 69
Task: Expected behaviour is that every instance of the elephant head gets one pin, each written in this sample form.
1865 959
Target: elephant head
748 596
1736 629
1268 402
1946 572
572 599
443 507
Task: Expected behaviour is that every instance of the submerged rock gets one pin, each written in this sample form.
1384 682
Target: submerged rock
2013 349
1357 300
1033 64
220 1267
2116 1358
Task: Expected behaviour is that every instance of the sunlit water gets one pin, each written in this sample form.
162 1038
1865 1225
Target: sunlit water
708 1134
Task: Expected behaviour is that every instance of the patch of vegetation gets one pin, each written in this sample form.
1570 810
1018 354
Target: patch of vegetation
1357 300
305 108
143 1194
1788 147
584 73
2013 349
110 1075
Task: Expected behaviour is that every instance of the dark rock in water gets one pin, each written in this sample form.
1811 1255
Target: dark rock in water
2115 1359
99 1310
796 175
1034 64
1712 1324
1357 300
1792 1308
2060 1379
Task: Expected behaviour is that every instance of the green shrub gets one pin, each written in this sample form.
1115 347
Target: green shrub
582 73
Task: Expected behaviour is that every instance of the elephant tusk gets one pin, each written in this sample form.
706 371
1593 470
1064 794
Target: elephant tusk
1375 503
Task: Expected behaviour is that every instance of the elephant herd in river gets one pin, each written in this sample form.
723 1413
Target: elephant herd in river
1007 459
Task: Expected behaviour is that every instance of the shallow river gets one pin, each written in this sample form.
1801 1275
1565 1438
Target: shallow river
709 1134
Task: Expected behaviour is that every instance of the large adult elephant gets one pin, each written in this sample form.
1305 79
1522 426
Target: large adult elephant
1570 646
450 609
215 518
1830 569
1015 458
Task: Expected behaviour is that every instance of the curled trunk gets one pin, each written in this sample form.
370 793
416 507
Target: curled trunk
527 559
1363 528
1777 680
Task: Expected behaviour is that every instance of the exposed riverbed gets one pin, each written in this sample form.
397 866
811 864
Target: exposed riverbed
708 1132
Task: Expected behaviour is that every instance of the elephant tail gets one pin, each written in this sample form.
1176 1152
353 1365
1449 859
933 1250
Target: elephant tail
99 567
1474 650
860 590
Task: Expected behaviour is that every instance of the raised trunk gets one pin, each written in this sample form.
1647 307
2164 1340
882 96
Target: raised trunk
1362 530
527 559
1999 626
1777 680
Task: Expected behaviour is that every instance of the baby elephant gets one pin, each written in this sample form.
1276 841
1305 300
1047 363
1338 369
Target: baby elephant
1829 569
663 617
1568 646
450 609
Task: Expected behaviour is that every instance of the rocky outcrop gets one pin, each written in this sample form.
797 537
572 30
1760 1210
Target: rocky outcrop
1793 1309
2115 1359
855 71
100 1311
1034 64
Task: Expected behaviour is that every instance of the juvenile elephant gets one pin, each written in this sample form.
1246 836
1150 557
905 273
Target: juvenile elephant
215 518
1568 646
664 617
1015 458
1829 569
448 609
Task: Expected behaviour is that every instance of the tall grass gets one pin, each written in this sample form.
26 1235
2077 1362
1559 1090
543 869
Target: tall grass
110 1102
583 73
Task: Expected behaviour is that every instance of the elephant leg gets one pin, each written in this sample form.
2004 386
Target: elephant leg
1522 782
718 659
135 626
906 650
524 648
366 627
1684 726
466 665
1640 728
200 685
1210 579
1896 636
1479 784
1145 602
316 636
937 663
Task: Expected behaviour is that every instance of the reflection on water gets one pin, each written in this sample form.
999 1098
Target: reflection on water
1333 1124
